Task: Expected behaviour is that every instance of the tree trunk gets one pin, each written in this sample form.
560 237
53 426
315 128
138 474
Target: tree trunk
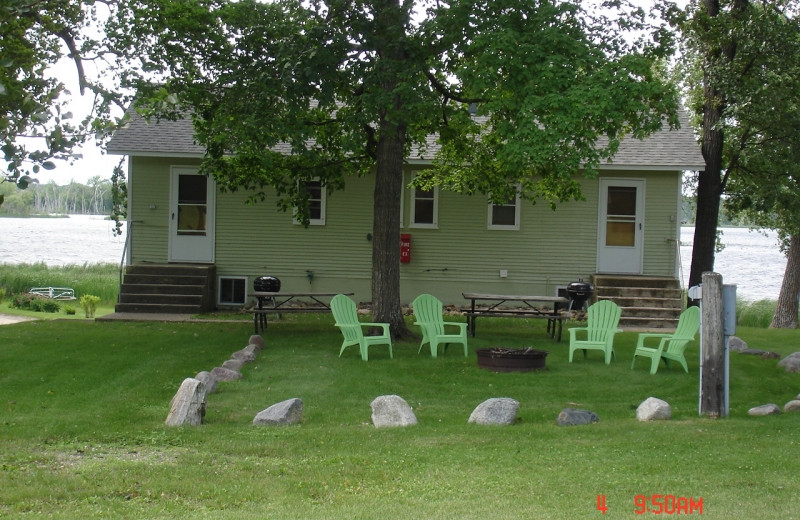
390 21
386 306
710 184
786 311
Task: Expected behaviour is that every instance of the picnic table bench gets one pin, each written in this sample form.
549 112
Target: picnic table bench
287 302
523 307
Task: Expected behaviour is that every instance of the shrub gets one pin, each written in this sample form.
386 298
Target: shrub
2 294
89 304
23 300
45 305
34 302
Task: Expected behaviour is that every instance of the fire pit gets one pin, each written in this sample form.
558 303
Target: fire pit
501 359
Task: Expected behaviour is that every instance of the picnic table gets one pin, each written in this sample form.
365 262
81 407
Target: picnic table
286 302
523 306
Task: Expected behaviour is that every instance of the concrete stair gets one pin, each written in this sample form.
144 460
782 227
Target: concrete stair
647 302
167 289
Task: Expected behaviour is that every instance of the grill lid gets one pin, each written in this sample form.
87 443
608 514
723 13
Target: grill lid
267 284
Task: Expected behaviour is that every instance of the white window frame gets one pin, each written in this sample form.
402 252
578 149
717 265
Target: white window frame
506 227
231 278
323 194
429 225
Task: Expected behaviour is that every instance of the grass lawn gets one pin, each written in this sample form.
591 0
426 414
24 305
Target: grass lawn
83 436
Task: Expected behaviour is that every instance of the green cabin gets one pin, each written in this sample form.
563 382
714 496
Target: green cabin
628 225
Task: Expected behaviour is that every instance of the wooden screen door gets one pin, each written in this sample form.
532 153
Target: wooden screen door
620 226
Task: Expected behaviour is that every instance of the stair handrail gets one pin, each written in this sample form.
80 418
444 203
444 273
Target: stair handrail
128 238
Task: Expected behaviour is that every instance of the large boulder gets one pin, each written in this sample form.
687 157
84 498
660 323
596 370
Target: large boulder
572 417
390 411
189 404
246 355
208 380
257 340
736 344
233 364
495 411
225 374
792 406
791 363
764 409
283 413
653 409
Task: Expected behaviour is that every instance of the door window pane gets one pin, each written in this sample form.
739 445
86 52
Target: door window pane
621 216
192 204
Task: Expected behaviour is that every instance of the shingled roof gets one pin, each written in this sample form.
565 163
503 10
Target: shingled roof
665 150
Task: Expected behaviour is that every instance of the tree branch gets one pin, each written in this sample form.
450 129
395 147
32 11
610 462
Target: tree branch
443 90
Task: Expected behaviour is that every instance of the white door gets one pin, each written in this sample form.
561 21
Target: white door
621 222
191 216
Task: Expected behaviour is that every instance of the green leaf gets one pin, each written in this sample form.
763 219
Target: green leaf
49 165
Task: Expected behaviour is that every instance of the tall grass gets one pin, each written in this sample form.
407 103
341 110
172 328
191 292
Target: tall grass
755 314
101 280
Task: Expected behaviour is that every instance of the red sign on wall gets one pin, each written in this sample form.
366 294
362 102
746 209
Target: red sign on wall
405 248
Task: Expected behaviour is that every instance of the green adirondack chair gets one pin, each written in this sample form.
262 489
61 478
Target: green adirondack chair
670 346
602 321
428 314
346 316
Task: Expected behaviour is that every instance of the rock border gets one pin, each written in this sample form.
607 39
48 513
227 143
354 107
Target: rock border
188 406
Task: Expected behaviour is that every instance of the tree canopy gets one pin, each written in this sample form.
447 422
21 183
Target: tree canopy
298 90
742 69
35 124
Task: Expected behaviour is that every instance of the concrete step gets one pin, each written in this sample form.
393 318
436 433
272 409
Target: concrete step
651 303
167 289
638 292
635 281
163 279
156 308
647 302
195 300
647 323
133 288
655 312
171 269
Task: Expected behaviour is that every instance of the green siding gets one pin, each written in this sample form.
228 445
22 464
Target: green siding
551 248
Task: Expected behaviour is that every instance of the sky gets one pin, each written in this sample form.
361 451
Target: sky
94 161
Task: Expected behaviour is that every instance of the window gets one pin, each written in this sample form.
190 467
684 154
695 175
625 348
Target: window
316 202
424 208
232 290
192 204
505 216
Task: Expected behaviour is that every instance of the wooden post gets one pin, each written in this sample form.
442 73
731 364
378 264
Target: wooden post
712 374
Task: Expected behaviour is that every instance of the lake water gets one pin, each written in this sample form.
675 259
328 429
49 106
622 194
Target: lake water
78 239
750 260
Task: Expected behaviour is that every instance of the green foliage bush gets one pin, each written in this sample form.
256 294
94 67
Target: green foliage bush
34 302
89 304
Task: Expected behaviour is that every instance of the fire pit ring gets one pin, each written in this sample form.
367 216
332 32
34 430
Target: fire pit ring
501 359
